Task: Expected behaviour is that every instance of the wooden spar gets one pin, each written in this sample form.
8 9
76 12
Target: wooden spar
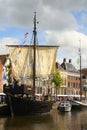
11 108
80 74
34 62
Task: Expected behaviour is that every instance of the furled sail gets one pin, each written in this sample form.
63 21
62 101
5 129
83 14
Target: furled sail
22 60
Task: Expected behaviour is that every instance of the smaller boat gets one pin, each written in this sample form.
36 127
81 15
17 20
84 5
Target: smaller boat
78 105
64 106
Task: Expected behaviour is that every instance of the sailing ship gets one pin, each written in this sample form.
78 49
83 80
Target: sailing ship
25 69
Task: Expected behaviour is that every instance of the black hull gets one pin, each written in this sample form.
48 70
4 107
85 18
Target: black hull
5 111
25 106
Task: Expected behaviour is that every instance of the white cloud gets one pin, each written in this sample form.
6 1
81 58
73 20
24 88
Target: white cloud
52 15
69 42
6 41
55 17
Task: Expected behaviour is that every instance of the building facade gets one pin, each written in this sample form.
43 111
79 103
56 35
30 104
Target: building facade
84 81
69 74
63 89
73 78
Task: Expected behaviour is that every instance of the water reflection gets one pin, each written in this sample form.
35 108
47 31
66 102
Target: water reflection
28 123
83 127
75 120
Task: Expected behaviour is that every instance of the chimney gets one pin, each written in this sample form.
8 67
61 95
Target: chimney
64 60
56 64
70 60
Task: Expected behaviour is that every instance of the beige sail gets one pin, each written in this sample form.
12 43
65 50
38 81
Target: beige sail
22 60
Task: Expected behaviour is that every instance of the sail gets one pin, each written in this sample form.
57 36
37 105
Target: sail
22 60
45 60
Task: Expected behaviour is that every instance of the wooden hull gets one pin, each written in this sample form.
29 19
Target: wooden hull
5 110
25 106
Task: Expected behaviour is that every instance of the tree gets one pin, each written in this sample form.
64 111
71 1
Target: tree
7 68
57 80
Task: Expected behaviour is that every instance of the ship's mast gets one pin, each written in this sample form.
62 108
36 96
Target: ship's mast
80 73
34 47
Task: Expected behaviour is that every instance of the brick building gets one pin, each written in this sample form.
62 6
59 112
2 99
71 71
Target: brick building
73 78
84 81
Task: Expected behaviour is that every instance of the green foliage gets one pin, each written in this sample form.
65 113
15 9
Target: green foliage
57 79
8 70
8 76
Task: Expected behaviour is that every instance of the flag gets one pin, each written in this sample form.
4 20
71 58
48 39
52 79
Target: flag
20 46
78 61
20 49
26 34
79 51
4 75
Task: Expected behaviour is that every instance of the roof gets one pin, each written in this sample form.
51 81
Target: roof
59 67
69 67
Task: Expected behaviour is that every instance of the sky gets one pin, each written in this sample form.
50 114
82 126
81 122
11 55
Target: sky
62 23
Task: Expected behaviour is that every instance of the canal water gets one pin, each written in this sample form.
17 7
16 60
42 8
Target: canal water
55 120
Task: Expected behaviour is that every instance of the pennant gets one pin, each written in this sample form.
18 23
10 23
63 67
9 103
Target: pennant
26 34
20 46
79 51
4 75
78 61
20 49
15 61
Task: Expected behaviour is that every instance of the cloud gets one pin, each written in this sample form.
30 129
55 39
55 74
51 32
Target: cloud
17 13
6 41
56 19
66 4
69 42
52 15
